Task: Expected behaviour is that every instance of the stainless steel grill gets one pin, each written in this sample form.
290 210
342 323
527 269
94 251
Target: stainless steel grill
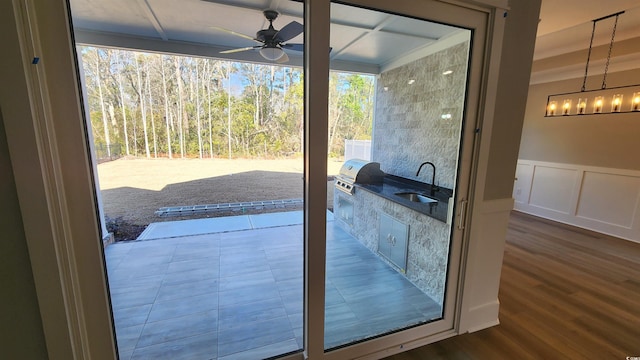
357 171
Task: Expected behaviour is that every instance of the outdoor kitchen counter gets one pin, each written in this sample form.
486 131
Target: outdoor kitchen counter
395 184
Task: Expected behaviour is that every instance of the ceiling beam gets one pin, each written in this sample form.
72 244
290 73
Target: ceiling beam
384 22
378 28
151 16
458 37
254 8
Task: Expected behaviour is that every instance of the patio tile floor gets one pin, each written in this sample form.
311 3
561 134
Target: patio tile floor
238 294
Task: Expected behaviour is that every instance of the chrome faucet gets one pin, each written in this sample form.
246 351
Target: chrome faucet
433 177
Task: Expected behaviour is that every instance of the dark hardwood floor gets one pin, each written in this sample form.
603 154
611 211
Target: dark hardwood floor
565 293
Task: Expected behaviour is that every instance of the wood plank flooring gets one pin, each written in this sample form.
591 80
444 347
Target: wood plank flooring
565 293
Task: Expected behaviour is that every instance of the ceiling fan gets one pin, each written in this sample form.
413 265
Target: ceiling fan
273 41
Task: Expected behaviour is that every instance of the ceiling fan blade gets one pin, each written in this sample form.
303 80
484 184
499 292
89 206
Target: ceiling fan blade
239 49
283 59
289 31
235 33
296 47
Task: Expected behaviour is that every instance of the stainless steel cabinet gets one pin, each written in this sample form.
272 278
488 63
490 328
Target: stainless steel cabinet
393 239
344 210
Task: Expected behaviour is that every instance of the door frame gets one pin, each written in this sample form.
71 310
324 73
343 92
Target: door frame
56 192
487 26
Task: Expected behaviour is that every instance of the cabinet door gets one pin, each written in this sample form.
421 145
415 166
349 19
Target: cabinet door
385 235
393 240
399 242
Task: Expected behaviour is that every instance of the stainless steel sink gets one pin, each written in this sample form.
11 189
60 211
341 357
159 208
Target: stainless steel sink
415 197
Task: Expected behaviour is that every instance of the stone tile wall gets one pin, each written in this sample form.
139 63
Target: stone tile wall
409 130
408 125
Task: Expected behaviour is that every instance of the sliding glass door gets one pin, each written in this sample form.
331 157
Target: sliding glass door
385 111
399 130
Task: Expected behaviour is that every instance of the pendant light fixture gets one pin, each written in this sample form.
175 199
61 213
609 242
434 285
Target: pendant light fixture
614 100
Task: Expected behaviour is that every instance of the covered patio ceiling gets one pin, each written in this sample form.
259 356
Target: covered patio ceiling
362 40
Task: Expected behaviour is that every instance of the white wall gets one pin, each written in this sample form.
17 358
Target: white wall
606 140
602 199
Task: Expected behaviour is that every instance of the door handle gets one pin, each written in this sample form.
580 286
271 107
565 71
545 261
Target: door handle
462 215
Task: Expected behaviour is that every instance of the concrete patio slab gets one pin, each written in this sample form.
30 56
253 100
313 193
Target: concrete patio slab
171 229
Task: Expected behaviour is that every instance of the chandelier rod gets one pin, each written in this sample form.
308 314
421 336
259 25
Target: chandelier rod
606 67
593 31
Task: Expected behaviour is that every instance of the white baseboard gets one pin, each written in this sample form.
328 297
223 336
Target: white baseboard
483 317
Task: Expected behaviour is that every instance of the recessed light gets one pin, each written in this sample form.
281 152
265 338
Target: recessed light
411 81
386 88
447 72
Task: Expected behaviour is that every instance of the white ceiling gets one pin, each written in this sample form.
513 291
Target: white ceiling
565 25
361 39
564 33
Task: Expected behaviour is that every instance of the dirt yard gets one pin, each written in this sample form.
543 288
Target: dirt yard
133 189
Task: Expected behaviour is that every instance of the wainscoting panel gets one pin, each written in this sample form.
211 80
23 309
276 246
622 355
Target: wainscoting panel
552 188
522 185
609 198
600 199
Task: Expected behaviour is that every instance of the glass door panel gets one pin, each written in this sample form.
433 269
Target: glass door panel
395 124
200 170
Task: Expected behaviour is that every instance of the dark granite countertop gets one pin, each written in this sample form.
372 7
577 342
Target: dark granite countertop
394 184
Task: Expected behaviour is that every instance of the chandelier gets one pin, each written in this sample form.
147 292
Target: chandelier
613 100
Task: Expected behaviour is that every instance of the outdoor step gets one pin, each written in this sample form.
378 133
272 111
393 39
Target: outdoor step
237 206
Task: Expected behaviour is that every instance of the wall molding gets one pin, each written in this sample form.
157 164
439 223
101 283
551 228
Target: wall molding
489 222
605 200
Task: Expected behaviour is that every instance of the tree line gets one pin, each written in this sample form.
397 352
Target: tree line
157 105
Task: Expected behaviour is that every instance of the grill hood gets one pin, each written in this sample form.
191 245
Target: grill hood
357 171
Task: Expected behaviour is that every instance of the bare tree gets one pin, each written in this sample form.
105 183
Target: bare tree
229 106
199 124
105 122
335 109
167 115
254 76
153 123
180 106
142 108
122 102
209 107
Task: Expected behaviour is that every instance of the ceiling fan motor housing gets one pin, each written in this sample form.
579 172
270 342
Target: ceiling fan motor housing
270 14
266 35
